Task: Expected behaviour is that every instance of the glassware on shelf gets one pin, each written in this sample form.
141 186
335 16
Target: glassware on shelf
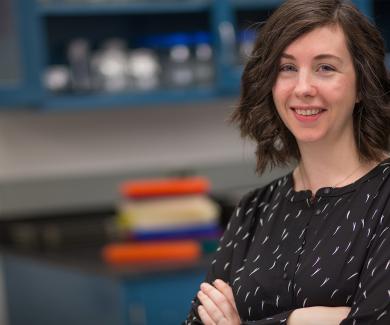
78 57
178 64
109 67
203 59
173 60
143 69
174 56
57 78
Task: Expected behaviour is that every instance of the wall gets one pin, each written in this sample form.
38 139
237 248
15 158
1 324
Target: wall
75 157
67 143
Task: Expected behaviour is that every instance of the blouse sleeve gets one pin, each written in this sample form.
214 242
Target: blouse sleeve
221 264
371 303
273 320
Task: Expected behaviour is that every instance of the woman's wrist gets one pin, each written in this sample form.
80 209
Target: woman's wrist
294 318
318 315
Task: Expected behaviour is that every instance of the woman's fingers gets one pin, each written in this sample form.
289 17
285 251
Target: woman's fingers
204 316
226 291
209 305
220 301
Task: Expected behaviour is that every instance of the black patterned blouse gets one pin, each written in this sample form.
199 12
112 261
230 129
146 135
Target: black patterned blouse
281 251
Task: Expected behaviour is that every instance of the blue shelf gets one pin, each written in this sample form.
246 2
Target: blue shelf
71 9
256 4
366 6
92 101
34 29
231 83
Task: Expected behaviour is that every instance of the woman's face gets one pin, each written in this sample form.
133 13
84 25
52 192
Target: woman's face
315 90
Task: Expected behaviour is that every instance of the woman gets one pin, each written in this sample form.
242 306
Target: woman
312 247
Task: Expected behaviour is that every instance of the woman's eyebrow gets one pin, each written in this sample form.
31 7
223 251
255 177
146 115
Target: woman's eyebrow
288 56
317 57
328 56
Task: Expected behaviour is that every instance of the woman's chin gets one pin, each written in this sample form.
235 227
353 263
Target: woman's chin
309 138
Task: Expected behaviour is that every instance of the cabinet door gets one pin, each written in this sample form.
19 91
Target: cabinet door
19 76
162 298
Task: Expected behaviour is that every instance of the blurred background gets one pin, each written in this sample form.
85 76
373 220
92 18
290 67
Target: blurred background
118 167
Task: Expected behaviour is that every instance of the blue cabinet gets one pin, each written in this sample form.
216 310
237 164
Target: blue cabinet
162 298
35 36
19 71
43 292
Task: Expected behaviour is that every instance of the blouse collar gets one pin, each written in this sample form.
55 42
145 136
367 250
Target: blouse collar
294 196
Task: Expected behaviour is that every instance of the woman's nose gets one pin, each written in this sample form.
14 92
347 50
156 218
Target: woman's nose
305 86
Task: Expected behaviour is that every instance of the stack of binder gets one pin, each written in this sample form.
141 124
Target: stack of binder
165 219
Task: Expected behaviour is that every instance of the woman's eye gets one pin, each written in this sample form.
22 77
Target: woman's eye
287 68
326 68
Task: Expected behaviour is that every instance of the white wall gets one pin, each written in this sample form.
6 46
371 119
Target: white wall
80 142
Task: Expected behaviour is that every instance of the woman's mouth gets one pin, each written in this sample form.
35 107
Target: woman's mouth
307 114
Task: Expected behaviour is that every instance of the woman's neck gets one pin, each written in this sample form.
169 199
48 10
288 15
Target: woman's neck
334 165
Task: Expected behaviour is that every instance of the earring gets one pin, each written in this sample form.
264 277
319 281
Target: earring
278 143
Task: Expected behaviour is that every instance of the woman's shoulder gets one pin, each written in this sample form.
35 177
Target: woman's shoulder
256 201
265 194
377 180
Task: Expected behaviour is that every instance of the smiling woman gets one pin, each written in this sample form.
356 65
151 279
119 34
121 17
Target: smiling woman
312 247
315 90
256 115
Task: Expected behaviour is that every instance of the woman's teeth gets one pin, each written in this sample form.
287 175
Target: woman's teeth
307 112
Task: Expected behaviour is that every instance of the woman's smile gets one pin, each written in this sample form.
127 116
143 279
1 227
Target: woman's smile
307 113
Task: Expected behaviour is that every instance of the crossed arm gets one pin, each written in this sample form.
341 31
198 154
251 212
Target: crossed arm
218 308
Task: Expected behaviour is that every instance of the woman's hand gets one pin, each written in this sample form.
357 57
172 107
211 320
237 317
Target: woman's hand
219 308
218 305
318 315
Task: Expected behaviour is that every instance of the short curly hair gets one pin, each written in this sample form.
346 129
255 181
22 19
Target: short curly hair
256 113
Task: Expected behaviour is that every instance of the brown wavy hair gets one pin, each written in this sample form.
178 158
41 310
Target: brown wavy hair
256 113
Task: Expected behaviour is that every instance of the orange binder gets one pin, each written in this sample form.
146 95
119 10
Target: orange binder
163 187
178 250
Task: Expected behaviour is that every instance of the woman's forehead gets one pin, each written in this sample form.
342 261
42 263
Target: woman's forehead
324 40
